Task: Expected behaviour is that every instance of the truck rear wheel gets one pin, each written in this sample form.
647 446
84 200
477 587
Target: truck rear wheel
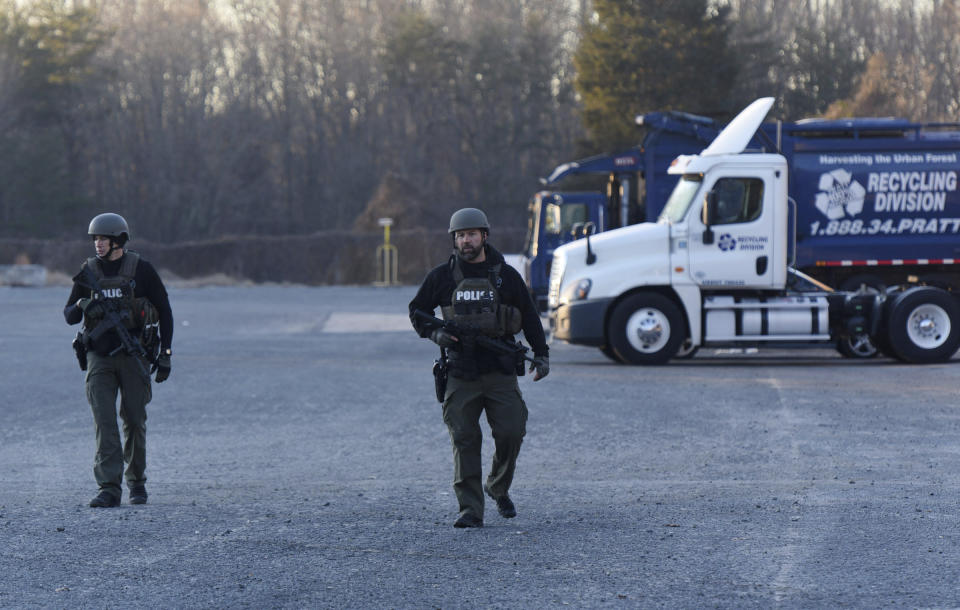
924 325
857 346
646 328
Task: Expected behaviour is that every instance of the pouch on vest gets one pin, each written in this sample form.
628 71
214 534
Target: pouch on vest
149 319
510 319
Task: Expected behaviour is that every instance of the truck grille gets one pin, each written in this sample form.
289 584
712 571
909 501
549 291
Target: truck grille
556 277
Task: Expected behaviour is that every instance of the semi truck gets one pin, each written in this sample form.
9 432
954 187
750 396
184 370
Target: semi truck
557 217
837 239
605 192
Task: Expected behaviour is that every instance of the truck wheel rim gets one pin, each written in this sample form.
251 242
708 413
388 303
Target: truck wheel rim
648 330
928 326
861 345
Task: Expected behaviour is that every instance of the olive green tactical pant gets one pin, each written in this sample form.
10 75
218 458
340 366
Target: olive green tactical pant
499 395
106 376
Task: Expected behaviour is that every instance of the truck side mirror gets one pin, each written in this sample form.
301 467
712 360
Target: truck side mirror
709 214
589 228
575 230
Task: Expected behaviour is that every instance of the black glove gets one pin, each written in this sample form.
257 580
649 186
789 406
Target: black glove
542 365
162 367
443 338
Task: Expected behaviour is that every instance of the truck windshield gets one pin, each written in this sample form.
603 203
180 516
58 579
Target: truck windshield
559 219
680 198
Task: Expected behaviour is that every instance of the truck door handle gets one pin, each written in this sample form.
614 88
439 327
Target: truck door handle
761 265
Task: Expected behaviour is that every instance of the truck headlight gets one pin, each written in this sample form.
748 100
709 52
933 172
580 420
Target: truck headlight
577 291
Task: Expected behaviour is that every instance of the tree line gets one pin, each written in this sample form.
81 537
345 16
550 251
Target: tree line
199 119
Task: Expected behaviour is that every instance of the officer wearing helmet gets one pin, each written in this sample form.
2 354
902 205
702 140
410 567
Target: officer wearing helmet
477 290
130 291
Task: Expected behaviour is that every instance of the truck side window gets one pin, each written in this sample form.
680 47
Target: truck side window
738 200
574 213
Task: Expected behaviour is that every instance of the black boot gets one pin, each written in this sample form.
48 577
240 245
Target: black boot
504 504
468 520
138 494
105 499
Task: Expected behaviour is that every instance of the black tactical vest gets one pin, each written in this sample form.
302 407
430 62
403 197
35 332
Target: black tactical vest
137 314
475 305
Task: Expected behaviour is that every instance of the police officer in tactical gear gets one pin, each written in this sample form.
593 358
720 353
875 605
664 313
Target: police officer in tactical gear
479 292
130 291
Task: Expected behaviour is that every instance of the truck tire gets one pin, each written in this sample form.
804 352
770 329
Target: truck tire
924 325
607 351
646 328
686 350
859 346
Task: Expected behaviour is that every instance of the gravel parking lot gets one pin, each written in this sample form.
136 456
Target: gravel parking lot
296 458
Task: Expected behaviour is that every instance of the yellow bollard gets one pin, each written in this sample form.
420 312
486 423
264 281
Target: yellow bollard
387 258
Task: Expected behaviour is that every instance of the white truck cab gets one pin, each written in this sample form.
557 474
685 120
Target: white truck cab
713 270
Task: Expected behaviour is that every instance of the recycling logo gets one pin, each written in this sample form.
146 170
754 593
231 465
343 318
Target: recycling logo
840 195
727 242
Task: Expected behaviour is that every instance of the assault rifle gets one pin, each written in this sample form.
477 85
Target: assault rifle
497 346
113 320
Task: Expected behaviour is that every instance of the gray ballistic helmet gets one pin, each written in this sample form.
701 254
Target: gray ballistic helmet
468 218
111 225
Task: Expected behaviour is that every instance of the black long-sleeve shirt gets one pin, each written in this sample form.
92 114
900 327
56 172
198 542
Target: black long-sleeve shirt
147 283
438 287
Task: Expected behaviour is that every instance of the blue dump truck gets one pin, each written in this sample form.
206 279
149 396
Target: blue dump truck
843 232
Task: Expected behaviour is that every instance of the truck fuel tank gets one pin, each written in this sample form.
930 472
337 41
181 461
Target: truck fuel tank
786 318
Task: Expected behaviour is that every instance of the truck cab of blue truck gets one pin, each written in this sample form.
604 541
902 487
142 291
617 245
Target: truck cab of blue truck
606 192
840 232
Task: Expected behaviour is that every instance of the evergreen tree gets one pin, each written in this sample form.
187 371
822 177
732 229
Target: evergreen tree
46 55
643 55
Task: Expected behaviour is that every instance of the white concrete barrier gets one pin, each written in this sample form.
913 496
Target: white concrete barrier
23 275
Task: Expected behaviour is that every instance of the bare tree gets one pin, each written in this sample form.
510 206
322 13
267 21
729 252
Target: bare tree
283 116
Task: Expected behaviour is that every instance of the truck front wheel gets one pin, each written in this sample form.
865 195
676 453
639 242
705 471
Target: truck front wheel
607 351
924 325
686 350
646 328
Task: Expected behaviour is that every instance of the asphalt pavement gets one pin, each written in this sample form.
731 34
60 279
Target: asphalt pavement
297 458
